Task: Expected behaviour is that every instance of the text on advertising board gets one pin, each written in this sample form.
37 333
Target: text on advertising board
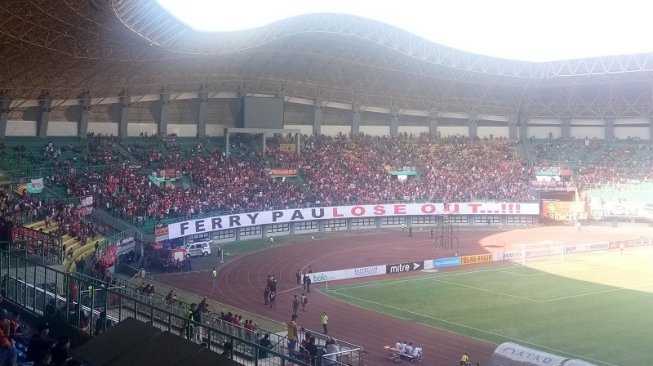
446 262
473 259
404 267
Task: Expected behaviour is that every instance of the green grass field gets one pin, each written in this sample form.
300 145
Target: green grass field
597 307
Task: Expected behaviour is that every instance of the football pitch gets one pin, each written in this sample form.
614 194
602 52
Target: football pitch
593 306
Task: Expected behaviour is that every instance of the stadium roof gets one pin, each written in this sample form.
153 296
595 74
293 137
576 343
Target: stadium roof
62 50
509 29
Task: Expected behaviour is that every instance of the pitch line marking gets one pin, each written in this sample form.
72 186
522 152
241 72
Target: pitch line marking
488 290
616 289
470 327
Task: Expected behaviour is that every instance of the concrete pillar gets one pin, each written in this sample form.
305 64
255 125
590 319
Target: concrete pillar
4 115
318 118
473 126
650 128
85 109
433 126
226 142
609 127
263 144
523 132
125 102
44 117
201 113
355 119
164 99
298 143
565 132
394 121
264 231
513 128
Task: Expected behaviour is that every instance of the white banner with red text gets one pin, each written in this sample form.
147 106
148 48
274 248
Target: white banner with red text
209 224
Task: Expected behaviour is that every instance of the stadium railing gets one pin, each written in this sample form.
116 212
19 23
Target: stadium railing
95 305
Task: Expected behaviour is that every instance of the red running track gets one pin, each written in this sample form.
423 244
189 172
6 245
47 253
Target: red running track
241 282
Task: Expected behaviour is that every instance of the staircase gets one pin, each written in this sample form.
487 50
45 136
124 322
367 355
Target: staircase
527 150
104 217
125 152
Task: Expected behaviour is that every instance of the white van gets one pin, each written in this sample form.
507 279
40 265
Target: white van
200 249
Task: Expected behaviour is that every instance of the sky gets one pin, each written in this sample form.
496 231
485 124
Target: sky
526 30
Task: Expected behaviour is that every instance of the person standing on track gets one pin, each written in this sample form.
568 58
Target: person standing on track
295 304
273 300
304 301
324 319
464 360
298 275
214 276
266 295
307 283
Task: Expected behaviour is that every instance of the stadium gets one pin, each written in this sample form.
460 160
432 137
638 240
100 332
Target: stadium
172 196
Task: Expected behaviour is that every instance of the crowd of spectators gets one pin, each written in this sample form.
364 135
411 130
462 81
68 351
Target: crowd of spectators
103 151
598 162
451 169
68 217
336 171
23 344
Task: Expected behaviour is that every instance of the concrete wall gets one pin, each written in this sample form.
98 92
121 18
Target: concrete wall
222 112
495 131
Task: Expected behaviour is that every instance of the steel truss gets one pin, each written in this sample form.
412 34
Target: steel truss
103 48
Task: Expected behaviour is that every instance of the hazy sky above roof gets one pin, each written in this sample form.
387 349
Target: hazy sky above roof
512 29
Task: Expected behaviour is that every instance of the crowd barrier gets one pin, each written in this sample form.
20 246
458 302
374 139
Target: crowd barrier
92 305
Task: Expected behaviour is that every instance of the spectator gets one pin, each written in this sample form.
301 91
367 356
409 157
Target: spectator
39 345
61 351
265 345
332 349
8 351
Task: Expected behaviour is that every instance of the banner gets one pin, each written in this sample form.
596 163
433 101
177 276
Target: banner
547 171
564 210
160 232
36 186
283 172
478 258
126 245
86 201
287 148
404 267
209 224
37 183
167 174
169 139
446 262
347 273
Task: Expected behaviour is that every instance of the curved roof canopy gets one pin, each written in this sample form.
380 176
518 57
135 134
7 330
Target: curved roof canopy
72 49
535 31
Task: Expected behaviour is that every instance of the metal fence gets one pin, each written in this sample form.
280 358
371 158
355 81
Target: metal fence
92 305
